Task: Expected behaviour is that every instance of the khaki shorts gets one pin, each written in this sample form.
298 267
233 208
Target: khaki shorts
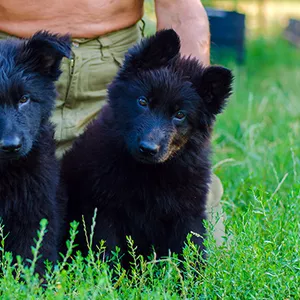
82 92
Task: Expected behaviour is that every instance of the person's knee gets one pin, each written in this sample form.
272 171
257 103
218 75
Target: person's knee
215 214
215 192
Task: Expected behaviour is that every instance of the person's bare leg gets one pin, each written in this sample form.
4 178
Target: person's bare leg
215 214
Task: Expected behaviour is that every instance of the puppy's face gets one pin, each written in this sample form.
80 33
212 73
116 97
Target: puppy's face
161 100
158 114
27 92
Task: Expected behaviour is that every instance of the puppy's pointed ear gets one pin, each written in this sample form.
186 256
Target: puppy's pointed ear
153 52
44 51
214 87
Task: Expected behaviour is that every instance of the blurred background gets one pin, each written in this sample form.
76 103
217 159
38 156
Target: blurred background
271 15
236 23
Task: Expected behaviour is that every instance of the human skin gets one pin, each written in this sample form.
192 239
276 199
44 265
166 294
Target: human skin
91 18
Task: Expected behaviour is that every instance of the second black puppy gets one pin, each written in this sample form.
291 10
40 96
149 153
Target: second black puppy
144 163
29 171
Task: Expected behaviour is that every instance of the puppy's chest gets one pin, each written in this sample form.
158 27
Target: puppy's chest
152 194
23 194
155 200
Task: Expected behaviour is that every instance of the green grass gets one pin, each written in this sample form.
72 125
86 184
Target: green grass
256 145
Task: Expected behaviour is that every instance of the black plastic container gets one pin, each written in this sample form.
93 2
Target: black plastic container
227 33
292 32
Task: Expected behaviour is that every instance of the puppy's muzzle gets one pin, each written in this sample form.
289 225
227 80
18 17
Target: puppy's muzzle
148 148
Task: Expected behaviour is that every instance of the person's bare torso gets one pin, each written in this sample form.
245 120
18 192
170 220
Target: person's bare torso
81 18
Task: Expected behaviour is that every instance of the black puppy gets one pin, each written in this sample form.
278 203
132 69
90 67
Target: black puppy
29 171
144 163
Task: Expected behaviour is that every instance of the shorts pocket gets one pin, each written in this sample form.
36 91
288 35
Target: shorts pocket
118 59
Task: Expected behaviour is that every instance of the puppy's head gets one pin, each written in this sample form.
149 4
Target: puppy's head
161 100
28 70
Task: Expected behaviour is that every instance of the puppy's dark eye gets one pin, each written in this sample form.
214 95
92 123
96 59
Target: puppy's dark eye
180 115
142 101
24 99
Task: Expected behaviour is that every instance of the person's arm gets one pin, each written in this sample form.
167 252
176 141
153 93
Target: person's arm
189 19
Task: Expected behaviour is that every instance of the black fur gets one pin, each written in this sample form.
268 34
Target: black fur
29 171
145 168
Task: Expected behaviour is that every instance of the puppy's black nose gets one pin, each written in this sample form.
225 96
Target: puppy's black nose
10 144
148 148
